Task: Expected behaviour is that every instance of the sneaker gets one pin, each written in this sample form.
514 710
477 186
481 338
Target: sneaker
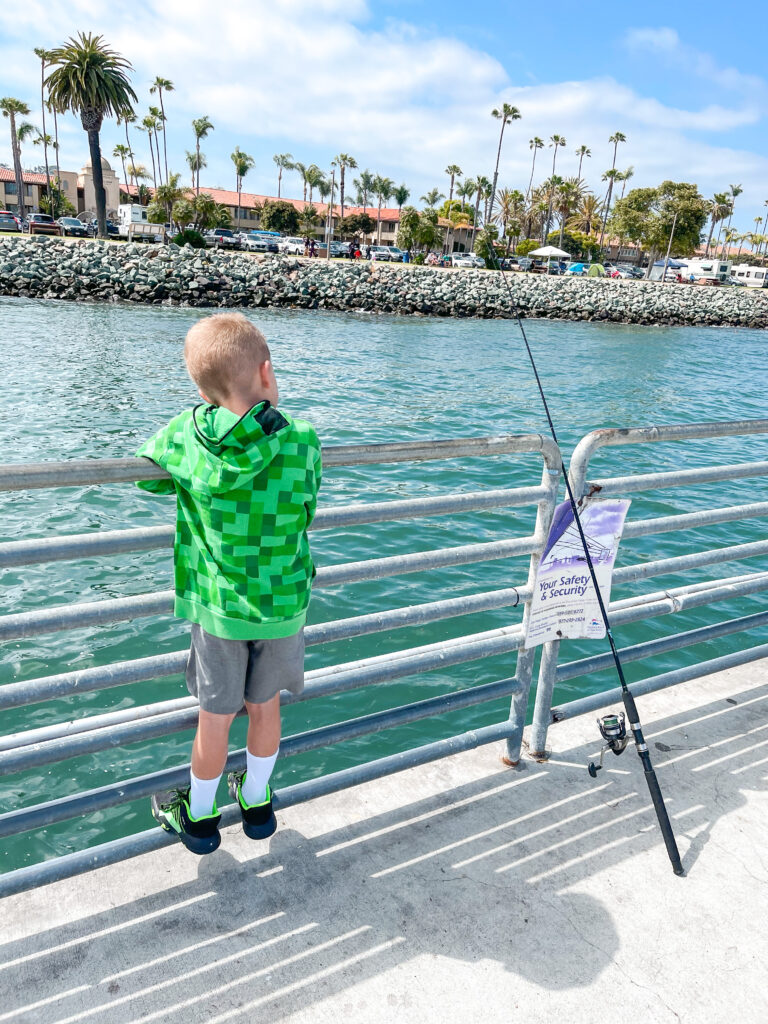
259 821
171 811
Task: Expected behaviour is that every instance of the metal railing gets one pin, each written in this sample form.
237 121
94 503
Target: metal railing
61 740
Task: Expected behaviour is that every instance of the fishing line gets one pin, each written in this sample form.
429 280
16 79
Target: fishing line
611 726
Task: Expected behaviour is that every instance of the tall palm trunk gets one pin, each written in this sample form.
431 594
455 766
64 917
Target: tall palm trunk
341 188
91 122
551 200
152 154
197 153
16 154
279 180
45 138
581 161
165 145
709 238
474 225
239 190
533 168
56 144
378 223
130 154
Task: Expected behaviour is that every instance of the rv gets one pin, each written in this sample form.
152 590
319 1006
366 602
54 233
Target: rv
132 223
750 275
707 270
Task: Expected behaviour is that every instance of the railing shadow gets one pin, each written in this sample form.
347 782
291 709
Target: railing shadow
485 870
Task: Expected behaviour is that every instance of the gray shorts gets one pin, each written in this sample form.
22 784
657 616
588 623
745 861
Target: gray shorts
222 674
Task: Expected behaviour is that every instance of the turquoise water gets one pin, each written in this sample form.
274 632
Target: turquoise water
94 381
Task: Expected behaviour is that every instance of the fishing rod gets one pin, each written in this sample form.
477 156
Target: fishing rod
612 727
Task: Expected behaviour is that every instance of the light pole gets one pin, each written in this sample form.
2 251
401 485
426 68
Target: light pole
669 248
329 216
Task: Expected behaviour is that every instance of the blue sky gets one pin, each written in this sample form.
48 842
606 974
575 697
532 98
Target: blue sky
406 86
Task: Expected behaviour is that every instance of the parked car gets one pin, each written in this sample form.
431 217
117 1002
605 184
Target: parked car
224 237
396 255
293 245
462 259
381 252
92 227
42 224
259 241
8 222
339 250
72 226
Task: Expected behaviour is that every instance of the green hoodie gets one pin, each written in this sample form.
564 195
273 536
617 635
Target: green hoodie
246 491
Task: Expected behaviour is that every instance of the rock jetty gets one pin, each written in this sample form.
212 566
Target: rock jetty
50 268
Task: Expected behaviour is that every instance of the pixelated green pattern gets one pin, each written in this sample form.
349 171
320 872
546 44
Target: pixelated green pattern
243 507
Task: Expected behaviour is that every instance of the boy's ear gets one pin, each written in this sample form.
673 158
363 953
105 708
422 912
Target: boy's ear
205 397
265 373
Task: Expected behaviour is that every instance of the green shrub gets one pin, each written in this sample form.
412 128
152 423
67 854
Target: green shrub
189 237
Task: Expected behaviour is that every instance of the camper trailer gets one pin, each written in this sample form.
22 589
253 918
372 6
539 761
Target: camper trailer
750 275
132 223
707 270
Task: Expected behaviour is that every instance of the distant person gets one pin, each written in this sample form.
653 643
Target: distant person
306 246
407 256
313 248
246 479
367 252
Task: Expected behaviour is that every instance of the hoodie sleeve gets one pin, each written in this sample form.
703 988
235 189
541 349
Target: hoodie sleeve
157 449
314 478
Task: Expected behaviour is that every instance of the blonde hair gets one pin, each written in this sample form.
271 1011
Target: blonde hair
220 349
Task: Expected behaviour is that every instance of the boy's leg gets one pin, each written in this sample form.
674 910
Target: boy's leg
209 756
262 747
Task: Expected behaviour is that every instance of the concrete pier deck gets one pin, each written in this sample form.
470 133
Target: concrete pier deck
456 892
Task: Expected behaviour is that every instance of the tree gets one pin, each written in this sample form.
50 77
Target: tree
408 228
646 215
283 162
587 216
736 191
196 161
355 224
566 202
535 144
343 161
279 215
555 141
383 189
312 178
432 198
243 163
466 191
56 203
719 208
616 138
122 152
147 125
167 195
200 126
527 245
308 218
485 244
429 235
624 177
453 171
43 55
13 108
511 205
481 184
364 186
158 126
126 120
157 87
506 114
579 245
90 79
581 152
401 195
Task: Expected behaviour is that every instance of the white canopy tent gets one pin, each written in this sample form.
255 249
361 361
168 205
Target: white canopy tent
550 250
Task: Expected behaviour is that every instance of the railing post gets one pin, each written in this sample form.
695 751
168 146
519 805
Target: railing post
524 672
542 712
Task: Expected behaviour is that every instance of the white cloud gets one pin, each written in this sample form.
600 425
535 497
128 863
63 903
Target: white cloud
314 78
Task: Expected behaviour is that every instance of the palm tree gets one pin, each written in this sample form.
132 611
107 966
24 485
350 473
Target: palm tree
312 178
146 126
510 204
581 152
535 144
343 161
157 87
159 126
284 162
466 191
364 186
555 142
432 198
90 79
453 171
122 152
126 120
507 114
52 110
567 201
383 189
616 138
736 191
729 235
553 184
195 161
401 195
243 163
12 108
587 215
611 176
43 55
481 184
624 177
200 126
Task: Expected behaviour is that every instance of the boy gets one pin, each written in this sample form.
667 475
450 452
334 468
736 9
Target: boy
246 479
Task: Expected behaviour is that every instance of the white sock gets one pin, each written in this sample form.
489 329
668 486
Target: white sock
254 785
202 795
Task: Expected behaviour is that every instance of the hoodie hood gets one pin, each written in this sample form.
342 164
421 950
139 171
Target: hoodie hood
231 449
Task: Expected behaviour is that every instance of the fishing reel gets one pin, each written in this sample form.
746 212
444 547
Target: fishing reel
613 729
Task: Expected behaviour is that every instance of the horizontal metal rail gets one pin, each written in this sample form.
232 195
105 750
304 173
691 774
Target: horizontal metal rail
95 613
126 791
676 478
696 560
679 675
155 839
86 472
693 520
112 542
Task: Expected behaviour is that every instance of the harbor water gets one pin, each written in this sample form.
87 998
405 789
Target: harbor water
93 381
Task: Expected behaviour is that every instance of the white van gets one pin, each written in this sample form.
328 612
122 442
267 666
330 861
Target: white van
707 270
750 275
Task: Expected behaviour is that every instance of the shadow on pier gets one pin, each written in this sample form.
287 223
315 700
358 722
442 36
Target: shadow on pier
462 860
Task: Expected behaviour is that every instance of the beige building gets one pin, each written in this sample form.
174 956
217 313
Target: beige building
77 186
